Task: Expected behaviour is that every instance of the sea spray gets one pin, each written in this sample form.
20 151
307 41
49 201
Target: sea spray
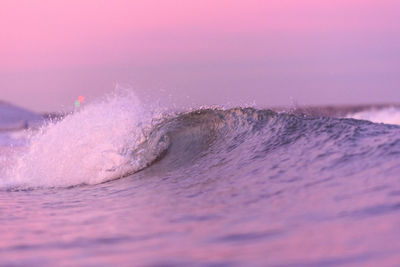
387 115
93 145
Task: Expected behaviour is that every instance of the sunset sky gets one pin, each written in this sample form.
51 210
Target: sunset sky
271 52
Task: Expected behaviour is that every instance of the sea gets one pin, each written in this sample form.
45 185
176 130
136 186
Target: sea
123 183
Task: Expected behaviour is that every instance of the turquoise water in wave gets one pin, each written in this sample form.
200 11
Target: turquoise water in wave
113 185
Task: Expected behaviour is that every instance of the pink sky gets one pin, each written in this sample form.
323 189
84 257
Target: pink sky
212 52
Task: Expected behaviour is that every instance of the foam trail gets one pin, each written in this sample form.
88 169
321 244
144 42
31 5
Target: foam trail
390 115
87 147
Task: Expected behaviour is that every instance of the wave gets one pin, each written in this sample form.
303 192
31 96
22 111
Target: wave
101 142
119 136
388 115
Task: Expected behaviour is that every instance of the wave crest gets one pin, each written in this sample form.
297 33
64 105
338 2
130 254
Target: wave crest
117 137
103 141
388 115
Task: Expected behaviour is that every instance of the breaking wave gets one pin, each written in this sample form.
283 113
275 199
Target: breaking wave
388 115
101 142
119 136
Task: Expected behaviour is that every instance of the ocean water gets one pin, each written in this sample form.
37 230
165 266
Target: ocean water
121 183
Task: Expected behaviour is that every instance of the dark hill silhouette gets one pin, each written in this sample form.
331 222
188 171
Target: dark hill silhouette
13 117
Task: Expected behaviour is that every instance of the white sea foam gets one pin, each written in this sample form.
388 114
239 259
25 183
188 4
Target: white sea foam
389 115
90 146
